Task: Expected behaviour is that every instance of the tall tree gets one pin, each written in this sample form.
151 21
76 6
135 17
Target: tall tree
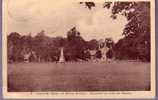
14 46
75 45
137 30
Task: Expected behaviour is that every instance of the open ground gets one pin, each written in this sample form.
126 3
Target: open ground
86 76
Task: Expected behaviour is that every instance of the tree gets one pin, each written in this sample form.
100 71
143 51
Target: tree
74 49
109 42
89 5
14 46
137 31
59 41
27 42
93 44
39 45
9 50
14 37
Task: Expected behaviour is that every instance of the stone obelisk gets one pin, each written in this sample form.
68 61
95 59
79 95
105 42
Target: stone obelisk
61 58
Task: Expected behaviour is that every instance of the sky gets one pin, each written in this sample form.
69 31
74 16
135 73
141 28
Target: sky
56 18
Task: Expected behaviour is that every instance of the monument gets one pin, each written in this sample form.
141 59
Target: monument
61 58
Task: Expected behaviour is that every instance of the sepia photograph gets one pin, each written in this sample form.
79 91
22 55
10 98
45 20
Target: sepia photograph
78 46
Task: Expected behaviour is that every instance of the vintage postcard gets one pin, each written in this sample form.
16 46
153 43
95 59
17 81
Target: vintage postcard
79 49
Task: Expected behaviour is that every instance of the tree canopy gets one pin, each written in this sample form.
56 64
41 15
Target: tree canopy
136 41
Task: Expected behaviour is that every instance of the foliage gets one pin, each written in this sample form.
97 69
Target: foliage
109 42
74 49
92 44
137 30
14 46
89 5
136 43
48 48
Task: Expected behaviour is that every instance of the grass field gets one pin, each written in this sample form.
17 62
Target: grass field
114 76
